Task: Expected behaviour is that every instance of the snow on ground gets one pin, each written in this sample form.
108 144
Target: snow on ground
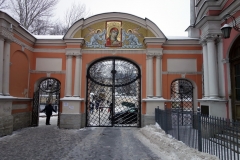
162 144
169 148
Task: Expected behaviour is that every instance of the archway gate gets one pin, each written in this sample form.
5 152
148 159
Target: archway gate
48 90
113 93
182 102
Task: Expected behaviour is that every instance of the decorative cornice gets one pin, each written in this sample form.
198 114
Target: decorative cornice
154 40
113 51
155 99
6 33
182 51
154 52
80 41
73 51
46 50
23 44
209 37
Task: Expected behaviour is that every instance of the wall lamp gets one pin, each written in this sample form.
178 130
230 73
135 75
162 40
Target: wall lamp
226 29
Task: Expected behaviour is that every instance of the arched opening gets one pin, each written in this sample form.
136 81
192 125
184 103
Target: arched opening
47 90
113 93
234 59
182 101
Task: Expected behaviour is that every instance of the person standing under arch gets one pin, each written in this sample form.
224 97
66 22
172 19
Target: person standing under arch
48 110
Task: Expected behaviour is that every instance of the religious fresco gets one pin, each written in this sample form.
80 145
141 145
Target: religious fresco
114 36
97 38
118 34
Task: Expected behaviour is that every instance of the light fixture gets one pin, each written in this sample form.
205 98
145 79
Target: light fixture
226 29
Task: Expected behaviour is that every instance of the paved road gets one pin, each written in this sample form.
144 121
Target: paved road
49 142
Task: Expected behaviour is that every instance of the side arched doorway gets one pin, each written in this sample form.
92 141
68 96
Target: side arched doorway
113 93
234 59
182 101
47 90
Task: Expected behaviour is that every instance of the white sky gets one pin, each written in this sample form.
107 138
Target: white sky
171 16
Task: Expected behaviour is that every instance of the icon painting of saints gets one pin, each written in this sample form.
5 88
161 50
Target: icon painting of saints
114 34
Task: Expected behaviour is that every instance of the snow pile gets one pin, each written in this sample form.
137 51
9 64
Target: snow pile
170 148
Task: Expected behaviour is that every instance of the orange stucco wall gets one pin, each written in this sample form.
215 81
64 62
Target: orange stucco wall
23 66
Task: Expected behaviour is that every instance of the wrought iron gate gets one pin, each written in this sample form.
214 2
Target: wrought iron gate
113 93
35 108
182 102
48 89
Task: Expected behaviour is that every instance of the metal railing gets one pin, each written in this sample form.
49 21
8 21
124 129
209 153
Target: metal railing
209 134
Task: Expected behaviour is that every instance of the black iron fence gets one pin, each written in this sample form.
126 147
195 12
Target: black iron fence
213 135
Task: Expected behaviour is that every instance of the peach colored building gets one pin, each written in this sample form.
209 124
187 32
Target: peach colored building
120 58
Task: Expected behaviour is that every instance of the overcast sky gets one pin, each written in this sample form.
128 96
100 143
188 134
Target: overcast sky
171 16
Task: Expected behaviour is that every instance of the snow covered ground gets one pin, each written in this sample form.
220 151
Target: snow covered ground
170 148
162 144
153 137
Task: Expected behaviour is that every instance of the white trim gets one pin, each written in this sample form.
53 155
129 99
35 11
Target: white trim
83 23
182 51
155 99
50 50
182 72
212 100
113 51
71 99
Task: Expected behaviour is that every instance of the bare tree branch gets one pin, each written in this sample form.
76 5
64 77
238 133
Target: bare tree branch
75 12
34 14
4 4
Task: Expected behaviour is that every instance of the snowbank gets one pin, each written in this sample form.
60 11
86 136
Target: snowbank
170 148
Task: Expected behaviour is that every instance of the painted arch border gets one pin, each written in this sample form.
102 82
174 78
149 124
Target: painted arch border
83 23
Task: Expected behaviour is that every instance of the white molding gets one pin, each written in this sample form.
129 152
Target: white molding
182 73
113 51
182 51
49 50
73 51
154 51
72 99
7 98
212 100
155 99
145 23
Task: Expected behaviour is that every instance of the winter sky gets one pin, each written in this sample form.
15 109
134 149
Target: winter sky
171 16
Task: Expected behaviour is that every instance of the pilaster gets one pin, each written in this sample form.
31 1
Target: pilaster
150 75
1 64
205 70
78 71
6 68
68 92
159 76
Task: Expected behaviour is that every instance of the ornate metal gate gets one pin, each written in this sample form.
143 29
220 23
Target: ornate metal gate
48 89
182 101
113 93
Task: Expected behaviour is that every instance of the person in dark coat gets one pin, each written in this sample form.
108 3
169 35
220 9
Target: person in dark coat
110 110
48 110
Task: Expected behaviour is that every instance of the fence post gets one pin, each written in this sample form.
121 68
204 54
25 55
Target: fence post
178 136
199 129
156 115
166 121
